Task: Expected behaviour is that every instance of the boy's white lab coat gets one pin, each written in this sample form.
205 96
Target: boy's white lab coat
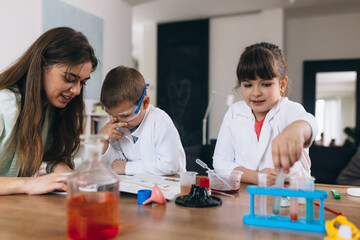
157 150
237 143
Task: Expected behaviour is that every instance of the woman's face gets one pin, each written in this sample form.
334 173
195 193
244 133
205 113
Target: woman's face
62 84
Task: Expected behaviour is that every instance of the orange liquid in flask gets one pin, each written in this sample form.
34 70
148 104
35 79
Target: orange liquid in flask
93 215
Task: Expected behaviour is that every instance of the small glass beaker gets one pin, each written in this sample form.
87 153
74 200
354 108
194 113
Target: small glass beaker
186 180
93 196
226 181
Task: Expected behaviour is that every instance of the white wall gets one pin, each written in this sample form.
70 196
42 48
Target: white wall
145 45
313 34
20 26
117 16
228 38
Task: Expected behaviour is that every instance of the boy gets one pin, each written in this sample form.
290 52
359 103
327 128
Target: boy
143 139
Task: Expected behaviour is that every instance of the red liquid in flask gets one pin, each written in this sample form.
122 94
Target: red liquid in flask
93 215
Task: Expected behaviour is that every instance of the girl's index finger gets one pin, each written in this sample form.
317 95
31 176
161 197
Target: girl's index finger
276 157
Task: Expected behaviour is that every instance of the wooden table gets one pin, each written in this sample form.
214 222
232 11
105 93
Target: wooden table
44 217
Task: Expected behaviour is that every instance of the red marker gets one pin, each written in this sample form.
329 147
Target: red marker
328 209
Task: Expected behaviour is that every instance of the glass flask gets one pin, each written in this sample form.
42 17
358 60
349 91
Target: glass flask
93 195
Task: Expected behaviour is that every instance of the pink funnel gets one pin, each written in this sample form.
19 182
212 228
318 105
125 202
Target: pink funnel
156 196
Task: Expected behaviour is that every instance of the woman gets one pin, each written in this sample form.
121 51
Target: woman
41 111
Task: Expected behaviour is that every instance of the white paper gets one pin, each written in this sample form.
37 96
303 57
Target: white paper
169 186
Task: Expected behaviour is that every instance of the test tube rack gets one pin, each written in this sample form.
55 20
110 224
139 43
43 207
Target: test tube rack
317 225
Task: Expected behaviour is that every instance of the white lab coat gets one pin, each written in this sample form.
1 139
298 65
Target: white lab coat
237 143
158 149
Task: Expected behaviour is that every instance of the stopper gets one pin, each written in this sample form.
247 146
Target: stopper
205 183
143 195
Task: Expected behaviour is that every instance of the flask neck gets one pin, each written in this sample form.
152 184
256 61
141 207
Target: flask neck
92 152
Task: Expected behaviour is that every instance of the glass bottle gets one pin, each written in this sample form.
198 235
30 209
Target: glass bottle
93 195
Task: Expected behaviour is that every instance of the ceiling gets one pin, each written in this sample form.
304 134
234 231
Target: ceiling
160 11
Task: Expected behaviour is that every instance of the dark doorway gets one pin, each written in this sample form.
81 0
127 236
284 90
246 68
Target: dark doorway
183 66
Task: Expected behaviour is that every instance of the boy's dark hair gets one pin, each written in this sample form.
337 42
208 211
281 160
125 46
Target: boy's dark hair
263 60
122 84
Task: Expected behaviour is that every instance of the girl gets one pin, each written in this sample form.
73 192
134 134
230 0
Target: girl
41 111
265 130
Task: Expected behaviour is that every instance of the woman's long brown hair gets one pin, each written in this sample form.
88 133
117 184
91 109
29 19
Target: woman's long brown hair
57 46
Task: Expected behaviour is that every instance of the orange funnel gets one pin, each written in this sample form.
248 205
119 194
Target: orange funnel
156 196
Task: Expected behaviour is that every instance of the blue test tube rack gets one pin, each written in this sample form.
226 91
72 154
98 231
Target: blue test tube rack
317 225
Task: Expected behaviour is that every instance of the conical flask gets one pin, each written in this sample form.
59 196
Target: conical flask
93 195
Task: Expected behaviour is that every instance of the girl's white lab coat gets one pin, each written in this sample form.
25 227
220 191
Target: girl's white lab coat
157 150
237 143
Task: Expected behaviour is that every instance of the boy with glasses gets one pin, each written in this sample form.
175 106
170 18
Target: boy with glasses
142 138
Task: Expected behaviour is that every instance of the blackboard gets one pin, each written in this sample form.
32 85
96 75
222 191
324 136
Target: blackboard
182 76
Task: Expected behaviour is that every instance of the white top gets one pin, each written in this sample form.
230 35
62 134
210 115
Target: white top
237 143
157 150
9 112
10 107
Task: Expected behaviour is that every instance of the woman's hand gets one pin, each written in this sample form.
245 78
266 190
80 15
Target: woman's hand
46 183
287 146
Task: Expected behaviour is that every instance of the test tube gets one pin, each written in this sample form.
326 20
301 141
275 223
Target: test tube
294 185
262 198
279 184
309 182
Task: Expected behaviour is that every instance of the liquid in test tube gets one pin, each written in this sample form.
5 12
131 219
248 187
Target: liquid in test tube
309 182
262 198
279 184
294 185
